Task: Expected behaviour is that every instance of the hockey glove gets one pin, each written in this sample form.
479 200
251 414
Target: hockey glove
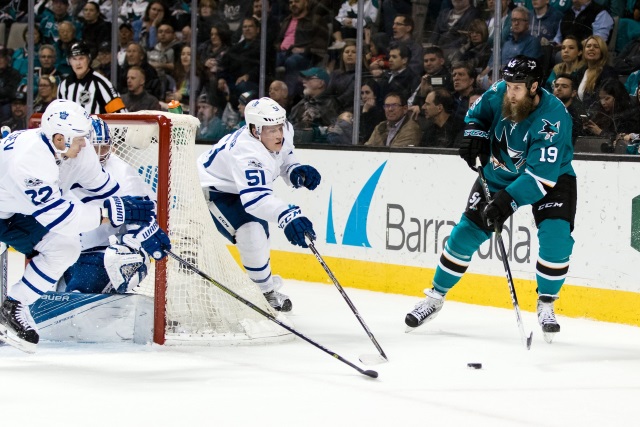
151 238
499 210
295 226
475 142
129 210
306 176
125 266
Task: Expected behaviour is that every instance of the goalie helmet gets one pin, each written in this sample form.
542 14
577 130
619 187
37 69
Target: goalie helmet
67 119
101 138
264 112
125 266
523 69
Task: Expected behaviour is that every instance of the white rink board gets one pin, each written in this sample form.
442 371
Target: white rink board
429 187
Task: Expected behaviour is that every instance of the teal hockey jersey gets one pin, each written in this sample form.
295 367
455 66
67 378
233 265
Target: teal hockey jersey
527 157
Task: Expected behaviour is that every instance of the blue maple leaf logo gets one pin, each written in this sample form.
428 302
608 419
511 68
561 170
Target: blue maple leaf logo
549 130
64 115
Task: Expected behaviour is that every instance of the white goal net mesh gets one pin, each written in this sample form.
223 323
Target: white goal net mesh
197 312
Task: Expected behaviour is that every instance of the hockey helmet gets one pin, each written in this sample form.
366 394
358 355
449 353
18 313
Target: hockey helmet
66 118
523 69
79 49
264 112
101 138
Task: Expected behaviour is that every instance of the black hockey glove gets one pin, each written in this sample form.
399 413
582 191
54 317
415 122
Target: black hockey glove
305 175
499 210
475 142
129 210
295 226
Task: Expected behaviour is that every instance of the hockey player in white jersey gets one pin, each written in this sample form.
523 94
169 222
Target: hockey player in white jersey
35 168
111 259
237 175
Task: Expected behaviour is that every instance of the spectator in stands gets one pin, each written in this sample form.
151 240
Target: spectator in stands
9 81
302 43
476 51
628 60
132 10
125 37
184 86
102 62
377 57
403 34
212 51
341 132
95 29
435 75
389 9
585 18
400 78
521 42
18 119
279 92
47 92
145 30
398 129
67 37
371 112
631 84
317 110
566 90
346 21
342 80
137 57
162 57
572 61
48 19
137 98
20 59
596 70
241 63
211 127
441 127
447 32
545 21
505 20
273 25
47 59
232 12
614 113
464 82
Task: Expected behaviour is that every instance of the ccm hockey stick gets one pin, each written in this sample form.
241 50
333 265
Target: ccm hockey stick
514 298
4 253
367 359
369 373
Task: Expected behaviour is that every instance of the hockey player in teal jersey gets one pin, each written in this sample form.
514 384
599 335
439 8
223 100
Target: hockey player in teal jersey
522 134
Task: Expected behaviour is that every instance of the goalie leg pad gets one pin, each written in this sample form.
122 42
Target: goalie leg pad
125 266
253 245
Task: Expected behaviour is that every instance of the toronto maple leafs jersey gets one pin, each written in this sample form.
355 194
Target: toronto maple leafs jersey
526 157
240 164
33 181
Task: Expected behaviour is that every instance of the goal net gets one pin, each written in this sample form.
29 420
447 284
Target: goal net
188 309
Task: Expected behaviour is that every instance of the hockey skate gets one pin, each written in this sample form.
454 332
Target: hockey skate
425 311
277 300
17 327
547 317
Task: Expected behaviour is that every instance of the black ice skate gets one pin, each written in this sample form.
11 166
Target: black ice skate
425 311
17 327
547 317
279 302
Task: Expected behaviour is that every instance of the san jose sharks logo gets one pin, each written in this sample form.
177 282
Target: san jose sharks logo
549 130
503 156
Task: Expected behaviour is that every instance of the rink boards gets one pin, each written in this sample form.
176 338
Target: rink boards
382 218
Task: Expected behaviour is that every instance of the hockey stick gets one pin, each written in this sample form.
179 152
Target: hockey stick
367 359
369 373
4 254
514 298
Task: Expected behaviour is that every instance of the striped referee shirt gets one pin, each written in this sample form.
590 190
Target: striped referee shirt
94 92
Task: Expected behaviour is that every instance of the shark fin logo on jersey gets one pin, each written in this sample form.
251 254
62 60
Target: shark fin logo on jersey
32 182
64 115
255 164
549 130
503 156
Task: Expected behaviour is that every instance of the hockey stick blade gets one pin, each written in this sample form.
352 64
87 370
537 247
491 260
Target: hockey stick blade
223 288
372 359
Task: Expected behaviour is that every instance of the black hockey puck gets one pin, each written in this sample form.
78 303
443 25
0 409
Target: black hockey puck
474 365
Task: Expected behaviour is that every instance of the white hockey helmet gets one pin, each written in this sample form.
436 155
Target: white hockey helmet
66 118
264 112
101 138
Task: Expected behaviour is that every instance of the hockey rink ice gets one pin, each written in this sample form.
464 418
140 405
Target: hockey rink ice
590 375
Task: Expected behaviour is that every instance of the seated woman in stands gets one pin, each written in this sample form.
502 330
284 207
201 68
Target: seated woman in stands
572 61
596 70
614 114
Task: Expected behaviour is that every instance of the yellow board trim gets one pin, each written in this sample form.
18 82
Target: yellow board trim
576 301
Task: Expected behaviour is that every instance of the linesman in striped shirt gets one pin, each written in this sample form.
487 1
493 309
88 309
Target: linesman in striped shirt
86 87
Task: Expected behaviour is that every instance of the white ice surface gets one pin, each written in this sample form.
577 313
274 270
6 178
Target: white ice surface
590 375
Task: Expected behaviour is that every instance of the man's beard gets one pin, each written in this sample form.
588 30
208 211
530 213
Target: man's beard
519 111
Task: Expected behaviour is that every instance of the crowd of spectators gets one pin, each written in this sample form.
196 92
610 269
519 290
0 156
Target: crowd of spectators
419 76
